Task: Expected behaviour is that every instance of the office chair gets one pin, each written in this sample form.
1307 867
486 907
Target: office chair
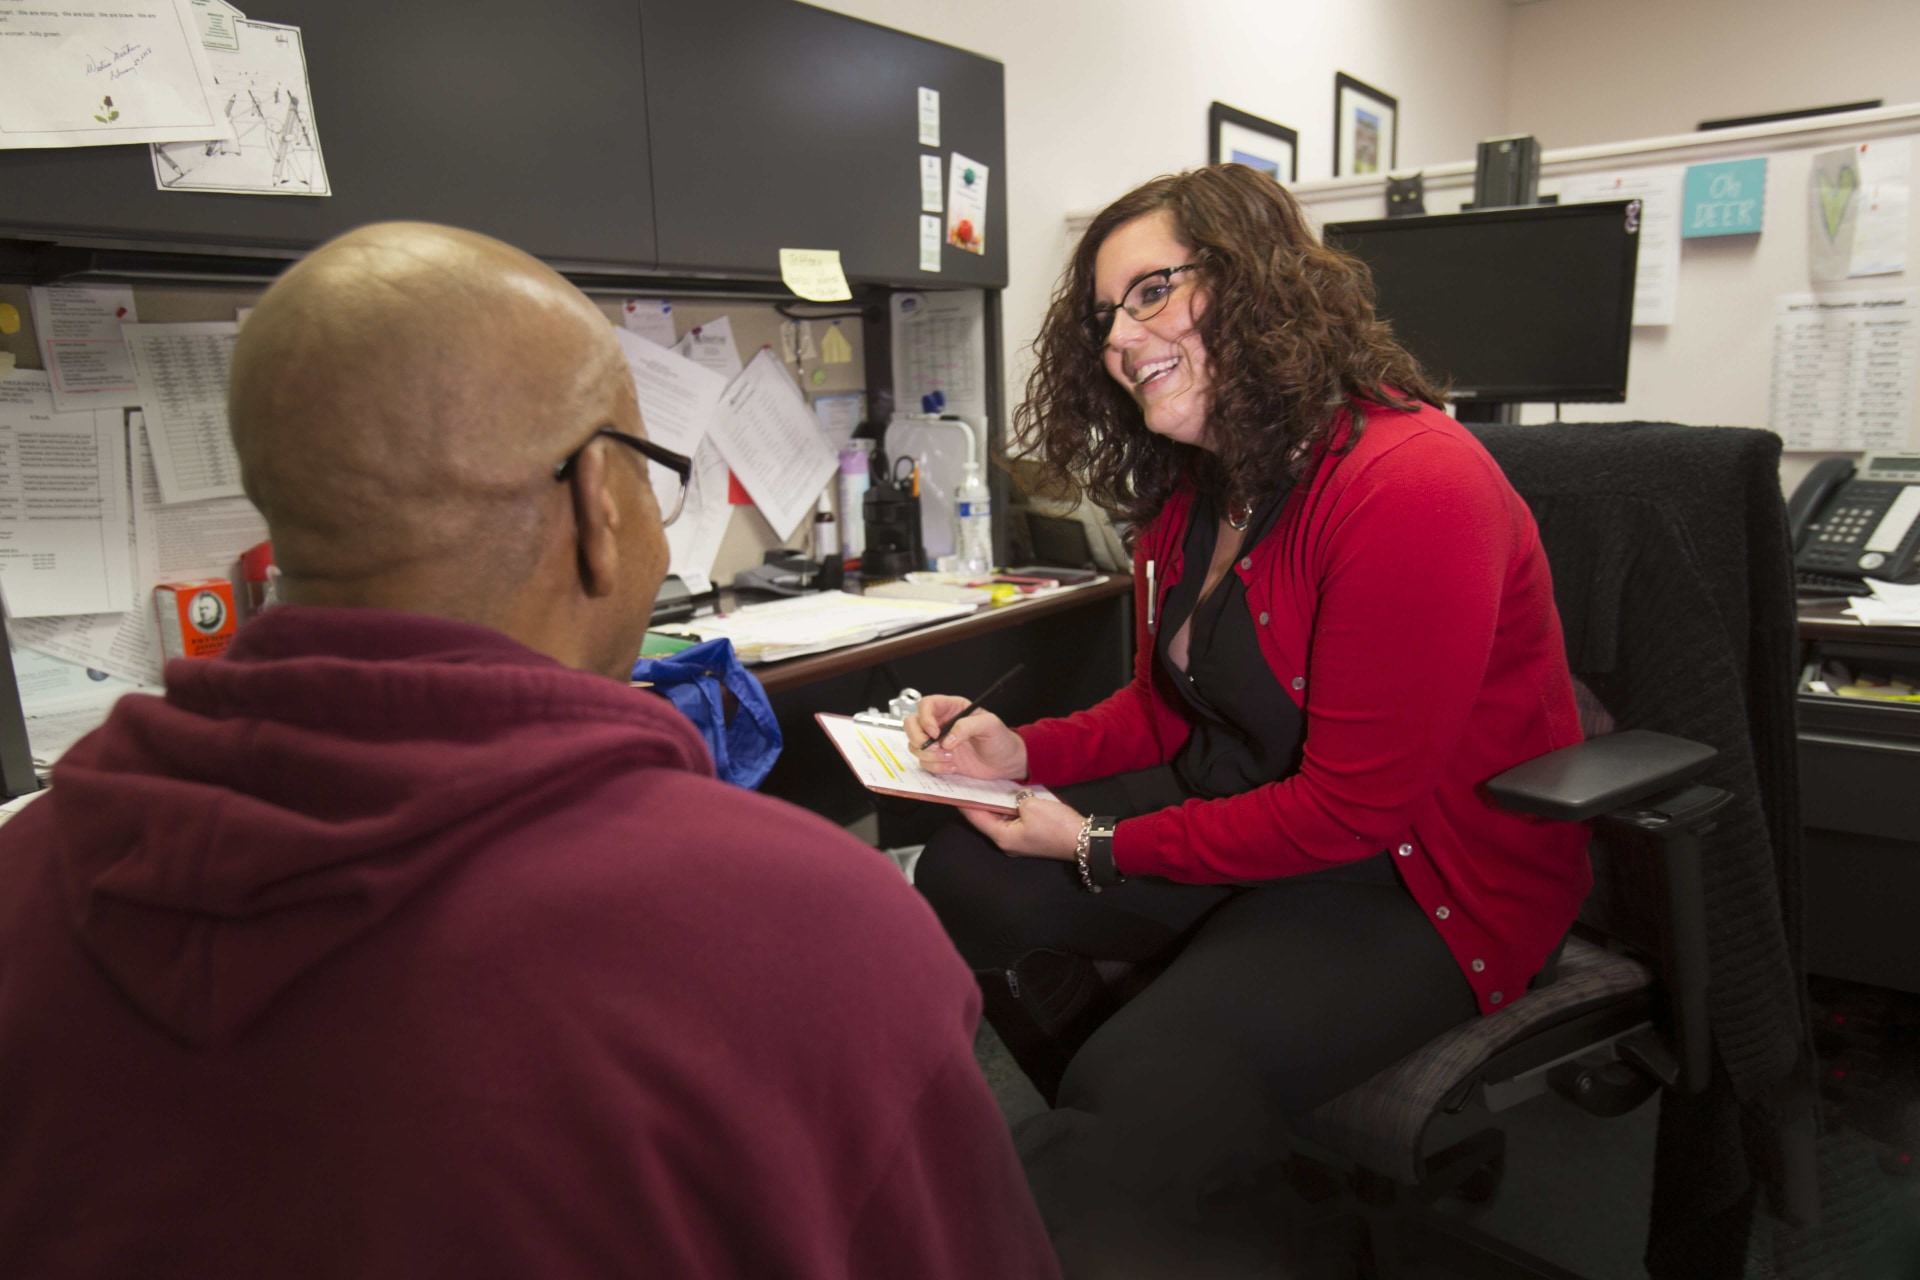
1671 567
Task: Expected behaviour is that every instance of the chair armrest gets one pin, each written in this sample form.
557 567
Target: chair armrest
1587 779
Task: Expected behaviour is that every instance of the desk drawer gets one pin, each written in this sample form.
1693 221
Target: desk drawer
1860 766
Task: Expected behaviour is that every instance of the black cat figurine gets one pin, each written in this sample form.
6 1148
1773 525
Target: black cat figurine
1405 196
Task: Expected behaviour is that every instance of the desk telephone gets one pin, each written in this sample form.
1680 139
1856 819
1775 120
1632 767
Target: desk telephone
1857 526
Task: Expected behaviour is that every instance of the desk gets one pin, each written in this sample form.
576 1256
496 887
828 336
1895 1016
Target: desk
1859 779
1078 647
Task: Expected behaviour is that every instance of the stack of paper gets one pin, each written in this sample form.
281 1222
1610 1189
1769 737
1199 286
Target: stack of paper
814 624
1892 604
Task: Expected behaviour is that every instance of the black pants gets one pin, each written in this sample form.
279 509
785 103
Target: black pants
1265 1002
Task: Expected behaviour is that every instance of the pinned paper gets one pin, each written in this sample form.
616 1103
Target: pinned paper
815 274
651 318
216 19
929 242
966 205
9 318
79 327
1833 190
1725 199
839 416
834 348
929 117
6 365
930 184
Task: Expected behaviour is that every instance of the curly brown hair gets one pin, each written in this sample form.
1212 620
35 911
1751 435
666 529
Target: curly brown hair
1290 335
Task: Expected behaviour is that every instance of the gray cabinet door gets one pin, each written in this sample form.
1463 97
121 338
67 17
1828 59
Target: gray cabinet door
779 125
523 121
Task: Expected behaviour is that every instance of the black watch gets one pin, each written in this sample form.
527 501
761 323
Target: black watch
1100 867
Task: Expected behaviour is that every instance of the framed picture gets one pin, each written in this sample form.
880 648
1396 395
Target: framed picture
1366 128
1234 137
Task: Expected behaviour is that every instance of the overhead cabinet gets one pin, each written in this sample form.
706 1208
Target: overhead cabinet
691 138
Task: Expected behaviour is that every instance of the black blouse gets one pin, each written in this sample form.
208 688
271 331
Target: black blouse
1246 729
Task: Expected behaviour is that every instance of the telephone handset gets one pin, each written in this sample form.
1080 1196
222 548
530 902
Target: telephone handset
1863 525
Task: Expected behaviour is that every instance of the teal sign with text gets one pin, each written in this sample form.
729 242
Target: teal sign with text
1725 199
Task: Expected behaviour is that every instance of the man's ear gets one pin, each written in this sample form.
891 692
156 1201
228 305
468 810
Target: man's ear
596 521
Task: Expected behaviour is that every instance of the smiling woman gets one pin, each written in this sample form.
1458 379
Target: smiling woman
1343 626
1286 324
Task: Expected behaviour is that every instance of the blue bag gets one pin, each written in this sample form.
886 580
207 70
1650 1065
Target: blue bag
695 680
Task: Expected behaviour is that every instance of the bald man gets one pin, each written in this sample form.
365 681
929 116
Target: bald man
402 941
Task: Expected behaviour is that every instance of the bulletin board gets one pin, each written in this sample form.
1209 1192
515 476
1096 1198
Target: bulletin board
1714 364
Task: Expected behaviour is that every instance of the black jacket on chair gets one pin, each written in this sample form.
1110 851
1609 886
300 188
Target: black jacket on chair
1683 622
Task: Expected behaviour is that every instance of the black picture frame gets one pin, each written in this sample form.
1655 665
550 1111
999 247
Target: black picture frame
1227 125
1370 151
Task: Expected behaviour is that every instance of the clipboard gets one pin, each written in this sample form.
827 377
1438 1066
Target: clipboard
884 764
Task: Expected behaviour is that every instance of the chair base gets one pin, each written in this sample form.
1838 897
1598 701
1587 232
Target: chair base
1404 1232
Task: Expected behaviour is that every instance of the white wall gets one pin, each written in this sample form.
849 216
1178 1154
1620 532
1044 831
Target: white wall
1104 94
1587 72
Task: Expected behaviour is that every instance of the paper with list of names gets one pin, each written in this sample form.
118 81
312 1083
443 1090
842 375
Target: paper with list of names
1843 369
182 372
80 344
772 442
63 505
170 542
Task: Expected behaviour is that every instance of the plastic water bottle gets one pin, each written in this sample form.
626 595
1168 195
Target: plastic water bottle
855 463
974 543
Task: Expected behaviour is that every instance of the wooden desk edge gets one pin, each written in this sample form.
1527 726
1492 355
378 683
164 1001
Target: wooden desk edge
792 673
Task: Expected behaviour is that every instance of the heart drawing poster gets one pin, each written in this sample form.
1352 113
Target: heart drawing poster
1857 210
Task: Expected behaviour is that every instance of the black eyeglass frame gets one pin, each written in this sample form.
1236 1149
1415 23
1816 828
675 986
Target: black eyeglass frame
678 463
1099 321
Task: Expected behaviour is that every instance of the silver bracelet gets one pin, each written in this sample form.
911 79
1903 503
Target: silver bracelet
1082 848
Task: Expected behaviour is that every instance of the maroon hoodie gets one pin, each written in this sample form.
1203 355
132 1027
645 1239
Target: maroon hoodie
385 946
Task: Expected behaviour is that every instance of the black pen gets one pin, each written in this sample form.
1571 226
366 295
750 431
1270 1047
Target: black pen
973 706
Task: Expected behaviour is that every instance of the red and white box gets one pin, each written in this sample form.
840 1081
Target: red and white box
196 618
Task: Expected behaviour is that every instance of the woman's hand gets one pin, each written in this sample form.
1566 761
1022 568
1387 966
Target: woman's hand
1040 828
979 746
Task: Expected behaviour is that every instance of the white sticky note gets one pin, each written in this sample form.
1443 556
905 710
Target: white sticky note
967 204
815 274
930 184
929 117
929 242
651 318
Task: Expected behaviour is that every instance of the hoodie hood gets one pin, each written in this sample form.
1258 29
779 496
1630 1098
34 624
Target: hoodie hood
279 802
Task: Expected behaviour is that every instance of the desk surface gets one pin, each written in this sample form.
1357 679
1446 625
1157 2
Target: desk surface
1825 620
778 677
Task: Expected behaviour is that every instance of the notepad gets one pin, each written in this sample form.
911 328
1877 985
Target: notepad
883 762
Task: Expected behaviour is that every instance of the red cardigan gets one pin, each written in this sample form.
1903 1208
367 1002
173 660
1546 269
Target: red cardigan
1404 599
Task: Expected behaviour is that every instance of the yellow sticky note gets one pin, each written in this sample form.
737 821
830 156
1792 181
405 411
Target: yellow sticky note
9 318
815 274
834 348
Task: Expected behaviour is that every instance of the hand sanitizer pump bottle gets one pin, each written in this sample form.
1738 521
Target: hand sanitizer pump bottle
974 540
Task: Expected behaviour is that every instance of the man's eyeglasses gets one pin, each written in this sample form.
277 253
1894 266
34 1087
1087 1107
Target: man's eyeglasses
1146 298
680 466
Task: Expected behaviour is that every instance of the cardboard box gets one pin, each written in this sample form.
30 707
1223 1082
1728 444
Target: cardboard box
196 618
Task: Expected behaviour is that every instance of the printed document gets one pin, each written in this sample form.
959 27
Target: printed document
1843 369
96 75
80 344
260 88
63 516
711 346
774 445
171 542
693 540
182 372
62 701
1661 193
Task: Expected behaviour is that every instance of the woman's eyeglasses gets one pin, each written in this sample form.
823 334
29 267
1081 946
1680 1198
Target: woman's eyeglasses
1146 298
680 465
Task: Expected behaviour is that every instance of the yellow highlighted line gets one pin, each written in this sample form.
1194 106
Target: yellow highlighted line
878 750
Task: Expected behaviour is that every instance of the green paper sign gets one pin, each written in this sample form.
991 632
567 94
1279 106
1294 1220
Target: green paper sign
1724 199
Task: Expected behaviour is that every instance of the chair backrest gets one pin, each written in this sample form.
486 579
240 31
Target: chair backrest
1672 573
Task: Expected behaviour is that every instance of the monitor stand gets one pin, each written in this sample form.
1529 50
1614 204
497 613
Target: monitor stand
1487 412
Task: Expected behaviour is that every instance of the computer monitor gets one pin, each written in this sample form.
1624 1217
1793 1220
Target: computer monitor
1509 305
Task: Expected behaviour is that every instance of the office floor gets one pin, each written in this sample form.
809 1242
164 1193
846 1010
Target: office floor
1578 1187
